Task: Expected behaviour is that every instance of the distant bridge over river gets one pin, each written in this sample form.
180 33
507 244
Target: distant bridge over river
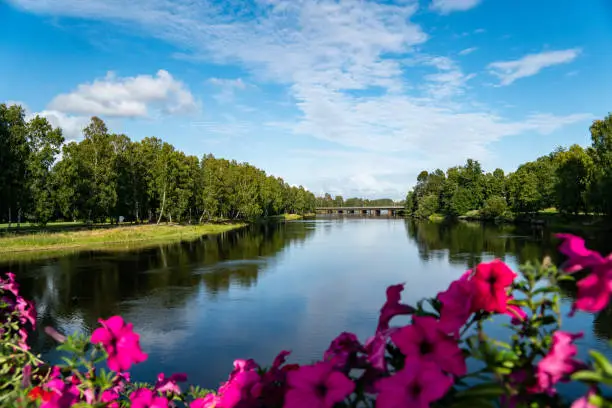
391 210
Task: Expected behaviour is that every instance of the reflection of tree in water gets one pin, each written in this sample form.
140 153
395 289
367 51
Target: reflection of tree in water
467 243
84 286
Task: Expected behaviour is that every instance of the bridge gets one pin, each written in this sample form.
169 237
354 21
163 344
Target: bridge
391 210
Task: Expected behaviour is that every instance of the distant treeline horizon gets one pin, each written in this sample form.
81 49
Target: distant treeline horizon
571 180
106 176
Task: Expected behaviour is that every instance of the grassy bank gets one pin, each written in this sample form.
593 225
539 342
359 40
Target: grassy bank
549 217
130 236
287 217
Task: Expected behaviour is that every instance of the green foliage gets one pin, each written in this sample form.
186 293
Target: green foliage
107 176
573 180
495 206
427 206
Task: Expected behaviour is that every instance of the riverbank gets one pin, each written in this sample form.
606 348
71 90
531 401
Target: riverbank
549 218
131 236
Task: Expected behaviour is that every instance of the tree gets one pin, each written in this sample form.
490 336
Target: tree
44 145
14 153
574 173
495 206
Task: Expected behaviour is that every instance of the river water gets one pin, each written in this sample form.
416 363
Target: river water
250 293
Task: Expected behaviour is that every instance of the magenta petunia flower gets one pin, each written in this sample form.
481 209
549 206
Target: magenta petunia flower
120 342
490 283
209 401
583 402
456 304
594 290
240 390
579 257
417 385
517 314
62 394
375 350
424 340
559 363
317 386
392 307
342 351
170 384
146 398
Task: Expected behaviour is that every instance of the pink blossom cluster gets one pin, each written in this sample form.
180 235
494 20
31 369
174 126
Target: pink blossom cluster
594 289
16 307
431 357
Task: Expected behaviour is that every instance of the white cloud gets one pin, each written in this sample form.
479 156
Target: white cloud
324 51
531 64
448 6
72 126
468 51
228 88
127 97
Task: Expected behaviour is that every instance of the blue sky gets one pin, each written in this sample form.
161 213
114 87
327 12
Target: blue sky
351 97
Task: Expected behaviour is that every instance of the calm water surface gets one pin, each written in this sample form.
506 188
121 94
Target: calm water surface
250 293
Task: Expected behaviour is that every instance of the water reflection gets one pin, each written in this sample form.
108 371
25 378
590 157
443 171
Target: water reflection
250 293
468 243
72 292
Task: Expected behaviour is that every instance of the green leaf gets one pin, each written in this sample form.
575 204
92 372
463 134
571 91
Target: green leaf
486 390
546 289
586 375
601 362
566 278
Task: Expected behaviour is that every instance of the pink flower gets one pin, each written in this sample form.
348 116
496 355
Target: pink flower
317 386
240 366
489 283
518 315
579 257
270 390
62 394
145 398
417 385
375 350
54 334
342 351
170 384
110 397
120 342
594 290
209 401
583 402
456 304
424 340
559 363
239 390
10 284
392 307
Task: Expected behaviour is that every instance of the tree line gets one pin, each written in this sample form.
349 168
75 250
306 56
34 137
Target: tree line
106 176
572 180
338 201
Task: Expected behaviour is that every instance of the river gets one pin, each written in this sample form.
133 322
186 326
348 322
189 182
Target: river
250 293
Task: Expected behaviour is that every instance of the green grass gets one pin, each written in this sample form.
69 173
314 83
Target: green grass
51 225
121 236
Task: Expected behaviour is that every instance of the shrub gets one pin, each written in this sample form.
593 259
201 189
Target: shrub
427 206
418 365
494 207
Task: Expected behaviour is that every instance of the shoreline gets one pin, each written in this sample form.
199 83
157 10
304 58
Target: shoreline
108 238
545 219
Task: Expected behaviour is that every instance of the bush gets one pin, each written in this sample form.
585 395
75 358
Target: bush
427 206
494 207
418 365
